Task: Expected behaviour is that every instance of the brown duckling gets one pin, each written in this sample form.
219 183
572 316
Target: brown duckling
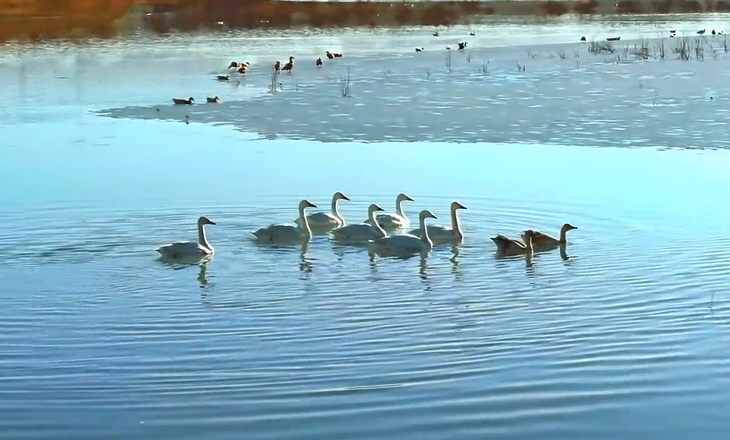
277 66
213 100
540 240
222 77
508 246
318 63
332 55
179 101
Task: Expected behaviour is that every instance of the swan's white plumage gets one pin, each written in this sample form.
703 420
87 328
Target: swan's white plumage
190 249
361 231
441 233
406 243
287 232
325 221
398 220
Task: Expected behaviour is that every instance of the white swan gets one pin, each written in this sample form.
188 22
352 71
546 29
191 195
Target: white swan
287 232
190 249
445 234
391 222
406 243
361 231
325 221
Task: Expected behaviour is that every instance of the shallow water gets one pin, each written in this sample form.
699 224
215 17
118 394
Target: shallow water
626 336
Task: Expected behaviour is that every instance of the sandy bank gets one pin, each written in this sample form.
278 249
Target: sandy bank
105 18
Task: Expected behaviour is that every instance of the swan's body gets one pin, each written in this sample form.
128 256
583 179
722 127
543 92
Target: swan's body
361 232
325 221
541 241
508 246
406 243
278 232
190 249
391 222
444 234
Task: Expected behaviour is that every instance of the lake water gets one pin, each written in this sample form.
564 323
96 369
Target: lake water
626 337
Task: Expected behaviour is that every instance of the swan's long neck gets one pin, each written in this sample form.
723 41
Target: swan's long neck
399 208
304 223
336 210
374 223
202 238
424 233
455 224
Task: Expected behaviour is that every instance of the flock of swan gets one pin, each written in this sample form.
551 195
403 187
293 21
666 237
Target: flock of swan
382 232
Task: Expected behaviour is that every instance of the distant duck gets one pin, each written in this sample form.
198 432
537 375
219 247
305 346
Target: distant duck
419 49
332 55
238 64
222 77
672 31
179 101
583 39
462 45
473 33
613 39
213 100
277 66
713 32
701 32
448 47
288 66
318 63
435 34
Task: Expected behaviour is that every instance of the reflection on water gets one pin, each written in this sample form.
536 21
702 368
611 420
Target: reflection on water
620 332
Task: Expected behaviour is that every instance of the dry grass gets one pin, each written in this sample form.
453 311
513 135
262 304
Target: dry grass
32 19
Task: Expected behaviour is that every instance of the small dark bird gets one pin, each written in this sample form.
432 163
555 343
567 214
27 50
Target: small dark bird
435 34
472 33
419 49
178 101
462 45
213 100
223 77
701 32
318 63
713 32
582 38
277 66
332 56
288 66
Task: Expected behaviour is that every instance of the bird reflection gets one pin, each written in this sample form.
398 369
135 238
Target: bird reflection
455 264
305 264
422 266
202 274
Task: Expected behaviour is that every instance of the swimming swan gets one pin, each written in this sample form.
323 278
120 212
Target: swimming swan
445 234
361 231
391 222
508 246
324 221
406 243
541 241
190 249
287 232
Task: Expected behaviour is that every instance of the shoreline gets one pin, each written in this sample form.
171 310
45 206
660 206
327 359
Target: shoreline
107 19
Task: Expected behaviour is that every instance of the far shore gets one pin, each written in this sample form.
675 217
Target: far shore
99 19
